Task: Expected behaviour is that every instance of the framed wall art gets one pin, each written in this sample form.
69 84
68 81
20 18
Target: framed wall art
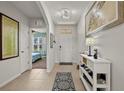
9 37
52 40
103 14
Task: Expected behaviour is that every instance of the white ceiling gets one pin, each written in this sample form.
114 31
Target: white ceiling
28 8
76 6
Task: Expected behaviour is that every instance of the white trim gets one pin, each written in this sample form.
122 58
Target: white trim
30 49
50 69
9 80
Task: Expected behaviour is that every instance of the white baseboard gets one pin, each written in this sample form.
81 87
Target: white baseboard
50 69
9 80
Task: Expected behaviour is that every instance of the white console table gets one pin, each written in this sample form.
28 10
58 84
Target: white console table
95 73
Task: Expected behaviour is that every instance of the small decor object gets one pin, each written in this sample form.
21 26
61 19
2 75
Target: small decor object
90 42
9 37
95 54
104 14
89 51
63 82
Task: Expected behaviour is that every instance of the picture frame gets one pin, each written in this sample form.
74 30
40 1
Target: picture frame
9 37
103 15
52 38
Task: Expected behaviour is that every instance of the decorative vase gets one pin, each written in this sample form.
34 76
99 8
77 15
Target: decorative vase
95 54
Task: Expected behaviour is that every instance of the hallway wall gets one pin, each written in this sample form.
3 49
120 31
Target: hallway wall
81 36
11 68
110 46
50 51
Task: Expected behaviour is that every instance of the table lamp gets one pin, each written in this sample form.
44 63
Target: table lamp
90 42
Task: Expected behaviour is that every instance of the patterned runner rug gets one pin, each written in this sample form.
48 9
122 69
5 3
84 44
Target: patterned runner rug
63 82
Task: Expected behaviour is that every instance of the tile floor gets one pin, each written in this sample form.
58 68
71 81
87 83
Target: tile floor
40 80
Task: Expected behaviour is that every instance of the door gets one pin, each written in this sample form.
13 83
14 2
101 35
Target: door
24 53
65 45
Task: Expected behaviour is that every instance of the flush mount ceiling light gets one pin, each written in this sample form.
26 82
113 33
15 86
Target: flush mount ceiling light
64 13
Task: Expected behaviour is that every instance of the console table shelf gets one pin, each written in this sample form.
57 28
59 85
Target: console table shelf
95 73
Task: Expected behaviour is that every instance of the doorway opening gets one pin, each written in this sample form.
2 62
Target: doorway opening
39 49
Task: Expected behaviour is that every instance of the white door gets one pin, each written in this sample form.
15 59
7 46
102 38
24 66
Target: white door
24 53
65 41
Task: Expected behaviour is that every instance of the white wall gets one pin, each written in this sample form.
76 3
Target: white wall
10 68
81 36
73 35
110 46
50 51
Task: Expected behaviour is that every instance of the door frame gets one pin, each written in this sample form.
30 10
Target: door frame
21 66
30 49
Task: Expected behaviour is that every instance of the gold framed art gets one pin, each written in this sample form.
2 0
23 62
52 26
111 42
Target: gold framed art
103 15
9 37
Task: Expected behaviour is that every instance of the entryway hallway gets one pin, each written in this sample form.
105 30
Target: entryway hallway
40 80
